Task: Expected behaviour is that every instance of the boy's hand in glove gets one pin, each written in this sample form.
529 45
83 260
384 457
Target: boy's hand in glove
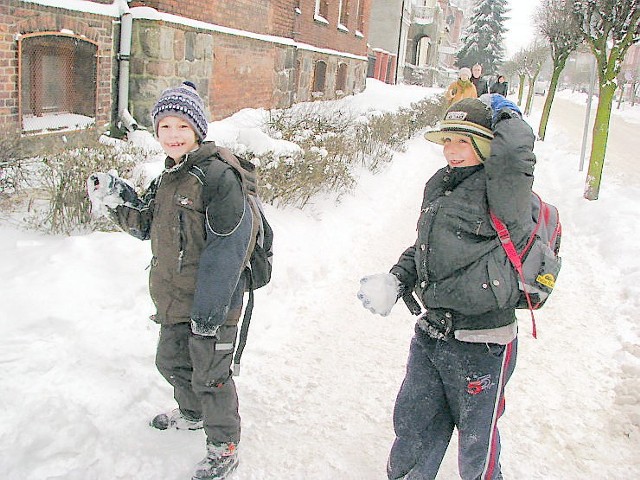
379 293
500 107
107 190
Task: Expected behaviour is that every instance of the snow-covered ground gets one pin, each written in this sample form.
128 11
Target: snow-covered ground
320 373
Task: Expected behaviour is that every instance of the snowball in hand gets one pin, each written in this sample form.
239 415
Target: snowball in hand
379 293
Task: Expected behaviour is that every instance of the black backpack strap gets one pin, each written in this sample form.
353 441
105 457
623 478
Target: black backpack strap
244 330
411 303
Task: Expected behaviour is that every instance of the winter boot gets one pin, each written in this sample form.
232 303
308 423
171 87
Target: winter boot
221 460
176 419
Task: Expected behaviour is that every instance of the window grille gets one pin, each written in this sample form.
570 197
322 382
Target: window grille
57 83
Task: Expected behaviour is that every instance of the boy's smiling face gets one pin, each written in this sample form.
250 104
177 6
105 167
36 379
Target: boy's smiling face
459 151
176 137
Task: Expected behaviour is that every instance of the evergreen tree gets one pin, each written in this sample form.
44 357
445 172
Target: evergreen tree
483 42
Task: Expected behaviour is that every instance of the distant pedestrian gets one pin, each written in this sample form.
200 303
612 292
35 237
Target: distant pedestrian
477 80
461 88
500 86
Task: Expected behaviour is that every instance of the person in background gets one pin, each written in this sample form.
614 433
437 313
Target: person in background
464 348
477 80
194 215
461 88
500 86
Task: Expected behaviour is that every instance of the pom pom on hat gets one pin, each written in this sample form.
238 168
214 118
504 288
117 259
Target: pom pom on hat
470 117
183 102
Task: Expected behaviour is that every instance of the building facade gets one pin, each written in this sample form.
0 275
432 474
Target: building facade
69 64
414 41
390 22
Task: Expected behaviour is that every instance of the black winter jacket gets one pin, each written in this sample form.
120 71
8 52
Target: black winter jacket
481 85
199 224
501 88
457 265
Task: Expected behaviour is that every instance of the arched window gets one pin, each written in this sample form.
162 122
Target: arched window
57 82
341 78
319 78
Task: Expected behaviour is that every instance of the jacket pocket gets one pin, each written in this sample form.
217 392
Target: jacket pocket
502 279
486 285
190 235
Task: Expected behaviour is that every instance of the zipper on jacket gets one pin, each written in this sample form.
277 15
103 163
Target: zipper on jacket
180 241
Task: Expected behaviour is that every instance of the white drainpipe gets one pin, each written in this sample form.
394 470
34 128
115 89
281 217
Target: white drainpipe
126 24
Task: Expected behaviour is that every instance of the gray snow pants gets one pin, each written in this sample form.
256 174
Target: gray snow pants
199 369
450 384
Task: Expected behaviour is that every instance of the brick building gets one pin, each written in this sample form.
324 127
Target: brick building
69 63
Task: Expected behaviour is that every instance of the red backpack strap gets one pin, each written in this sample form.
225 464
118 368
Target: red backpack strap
514 258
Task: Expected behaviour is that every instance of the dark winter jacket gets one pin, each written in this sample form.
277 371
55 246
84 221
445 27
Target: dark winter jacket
480 84
500 88
199 224
457 266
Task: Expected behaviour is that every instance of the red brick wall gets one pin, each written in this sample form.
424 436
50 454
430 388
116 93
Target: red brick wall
19 18
273 17
324 35
236 83
8 69
276 17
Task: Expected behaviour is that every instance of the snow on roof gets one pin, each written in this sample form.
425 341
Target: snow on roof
148 13
113 10
152 14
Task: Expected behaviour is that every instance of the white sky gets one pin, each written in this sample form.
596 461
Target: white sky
520 25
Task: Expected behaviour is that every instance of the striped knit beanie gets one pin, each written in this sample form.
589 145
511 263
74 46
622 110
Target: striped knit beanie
183 102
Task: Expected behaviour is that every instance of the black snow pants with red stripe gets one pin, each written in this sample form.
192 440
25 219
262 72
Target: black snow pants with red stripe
450 384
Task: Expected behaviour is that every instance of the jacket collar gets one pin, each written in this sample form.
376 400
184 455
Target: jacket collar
455 176
190 159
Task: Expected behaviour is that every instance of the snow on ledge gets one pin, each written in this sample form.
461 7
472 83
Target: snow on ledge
113 10
55 122
148 13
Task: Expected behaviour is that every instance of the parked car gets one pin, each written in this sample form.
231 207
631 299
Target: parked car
541 87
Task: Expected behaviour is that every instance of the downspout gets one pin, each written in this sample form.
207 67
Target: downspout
126 120
395 80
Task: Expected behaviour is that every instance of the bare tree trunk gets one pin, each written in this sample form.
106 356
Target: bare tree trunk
520 88
620 96
599 141
546 110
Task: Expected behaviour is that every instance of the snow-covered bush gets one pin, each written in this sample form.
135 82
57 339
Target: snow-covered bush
59 203
333 142
11 165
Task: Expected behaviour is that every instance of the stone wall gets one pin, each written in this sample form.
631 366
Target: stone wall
163 56
231 72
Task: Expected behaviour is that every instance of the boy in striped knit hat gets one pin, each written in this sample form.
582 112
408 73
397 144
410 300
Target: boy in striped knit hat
194 213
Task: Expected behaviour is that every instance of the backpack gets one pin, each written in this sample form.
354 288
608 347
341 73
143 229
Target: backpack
538 263
259 263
